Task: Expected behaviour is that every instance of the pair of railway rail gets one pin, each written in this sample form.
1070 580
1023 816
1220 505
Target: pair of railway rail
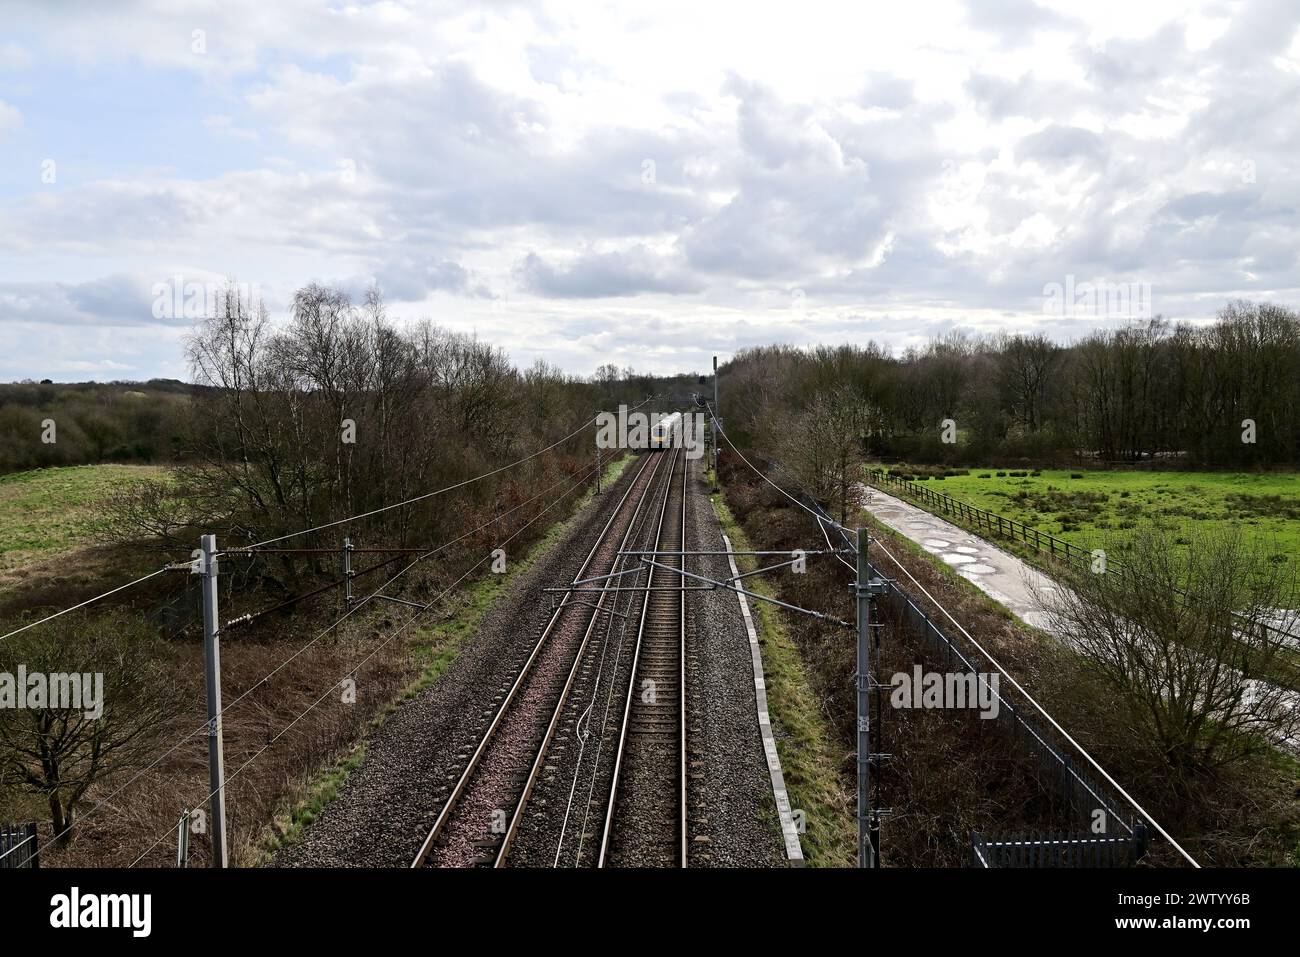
644 820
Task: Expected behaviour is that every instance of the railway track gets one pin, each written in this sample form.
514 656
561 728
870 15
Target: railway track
481 816
645 821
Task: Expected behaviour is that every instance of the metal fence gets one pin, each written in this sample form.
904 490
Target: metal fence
994 524
18 847
1125 836
1083 794
991 522
1057 850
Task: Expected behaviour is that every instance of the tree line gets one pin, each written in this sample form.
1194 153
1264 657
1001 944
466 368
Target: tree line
341 411
143 422
338 412
1224 394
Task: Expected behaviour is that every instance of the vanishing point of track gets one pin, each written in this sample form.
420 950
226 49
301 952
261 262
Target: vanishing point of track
645 821
481 816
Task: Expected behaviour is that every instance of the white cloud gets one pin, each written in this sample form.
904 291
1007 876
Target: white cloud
14 57
577 178
10 119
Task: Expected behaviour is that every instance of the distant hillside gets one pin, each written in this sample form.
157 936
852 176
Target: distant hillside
93 422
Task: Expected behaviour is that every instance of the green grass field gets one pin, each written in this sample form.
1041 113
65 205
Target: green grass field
47 512
1102 508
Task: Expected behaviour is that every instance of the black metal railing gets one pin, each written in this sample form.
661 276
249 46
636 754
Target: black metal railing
18 847
1081 792
991 522
981 519
1124 838
1057 850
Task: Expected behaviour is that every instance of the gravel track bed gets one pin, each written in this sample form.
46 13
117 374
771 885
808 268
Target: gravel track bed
646 824
387 805
567 809
493 791
731 818
732 815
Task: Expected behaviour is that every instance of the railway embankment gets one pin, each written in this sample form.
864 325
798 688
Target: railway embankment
379 812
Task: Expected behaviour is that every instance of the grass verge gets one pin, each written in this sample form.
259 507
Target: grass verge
803 736
1096 508
1257 824
1287 670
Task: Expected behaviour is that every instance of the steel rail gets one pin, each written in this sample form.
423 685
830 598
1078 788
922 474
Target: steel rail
539 760
426 848
608 829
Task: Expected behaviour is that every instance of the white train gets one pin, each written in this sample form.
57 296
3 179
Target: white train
667 430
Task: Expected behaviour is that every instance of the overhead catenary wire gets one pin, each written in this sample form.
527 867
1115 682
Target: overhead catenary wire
241 620
423 554
14 847
574 483
89 601
822 520
821 525
1028 697
342 521
355 668
359 604
398 553
426 495
600 740
1038 707
759 472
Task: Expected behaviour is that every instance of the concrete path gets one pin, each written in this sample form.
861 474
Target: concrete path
1002 576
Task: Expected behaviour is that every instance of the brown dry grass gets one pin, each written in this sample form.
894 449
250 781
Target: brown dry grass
955 773
146 809
275 742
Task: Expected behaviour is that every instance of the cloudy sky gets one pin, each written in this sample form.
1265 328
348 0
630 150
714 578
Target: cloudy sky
643 183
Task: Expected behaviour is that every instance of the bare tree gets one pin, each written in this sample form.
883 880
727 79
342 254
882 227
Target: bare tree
1179 635
1024 372
60 748
606 376
822 445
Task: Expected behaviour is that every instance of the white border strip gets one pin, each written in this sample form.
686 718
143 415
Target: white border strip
793 850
